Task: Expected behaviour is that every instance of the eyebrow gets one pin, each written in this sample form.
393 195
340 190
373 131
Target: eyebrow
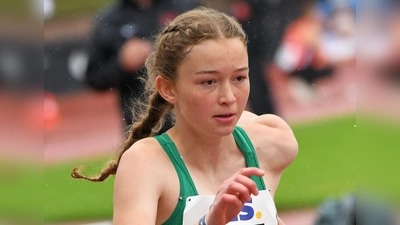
215 71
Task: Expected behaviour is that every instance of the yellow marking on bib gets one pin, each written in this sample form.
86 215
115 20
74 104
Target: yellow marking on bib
258 215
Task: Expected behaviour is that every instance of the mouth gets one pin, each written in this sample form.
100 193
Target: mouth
226 118
225 115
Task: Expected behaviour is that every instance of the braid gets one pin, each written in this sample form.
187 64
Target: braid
148 125
145 128
109 169
171 46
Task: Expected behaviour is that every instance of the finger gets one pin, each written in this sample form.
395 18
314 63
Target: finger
248 183
251 171
239 191
232 200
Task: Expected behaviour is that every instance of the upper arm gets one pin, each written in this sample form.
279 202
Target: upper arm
136 189
276 142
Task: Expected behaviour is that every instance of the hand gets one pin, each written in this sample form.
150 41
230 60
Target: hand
134 53
232 195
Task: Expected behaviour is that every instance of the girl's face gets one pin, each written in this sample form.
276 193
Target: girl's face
213 86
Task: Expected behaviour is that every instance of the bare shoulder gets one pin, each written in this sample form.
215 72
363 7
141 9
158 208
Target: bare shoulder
137 164
143 153
142 166
143 161
273 140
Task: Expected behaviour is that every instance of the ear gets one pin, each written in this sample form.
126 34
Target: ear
166 89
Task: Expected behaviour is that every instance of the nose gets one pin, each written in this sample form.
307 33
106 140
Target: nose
227 95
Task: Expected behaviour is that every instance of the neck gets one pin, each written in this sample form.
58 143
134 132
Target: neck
208 159
204 152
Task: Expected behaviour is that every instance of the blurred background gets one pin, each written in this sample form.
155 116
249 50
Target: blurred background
330 68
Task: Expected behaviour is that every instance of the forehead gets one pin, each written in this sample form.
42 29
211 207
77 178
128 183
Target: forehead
216 54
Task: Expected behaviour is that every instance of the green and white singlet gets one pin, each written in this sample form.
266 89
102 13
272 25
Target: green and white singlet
187 187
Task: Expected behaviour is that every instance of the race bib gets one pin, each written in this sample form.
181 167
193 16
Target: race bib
260 210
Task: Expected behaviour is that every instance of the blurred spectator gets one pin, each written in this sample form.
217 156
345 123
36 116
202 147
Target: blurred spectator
264 22
390 65
338 33
379 45
372 21
337 211
121 42
354 209
313 45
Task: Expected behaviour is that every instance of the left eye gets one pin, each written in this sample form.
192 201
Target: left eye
208 82
240 78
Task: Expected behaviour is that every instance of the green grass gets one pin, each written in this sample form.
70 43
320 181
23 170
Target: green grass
378 161
327 167
20 191
70 199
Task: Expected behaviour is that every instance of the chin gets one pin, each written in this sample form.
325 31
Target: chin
225 131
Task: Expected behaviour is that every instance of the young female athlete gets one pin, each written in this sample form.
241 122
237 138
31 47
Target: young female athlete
199 72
